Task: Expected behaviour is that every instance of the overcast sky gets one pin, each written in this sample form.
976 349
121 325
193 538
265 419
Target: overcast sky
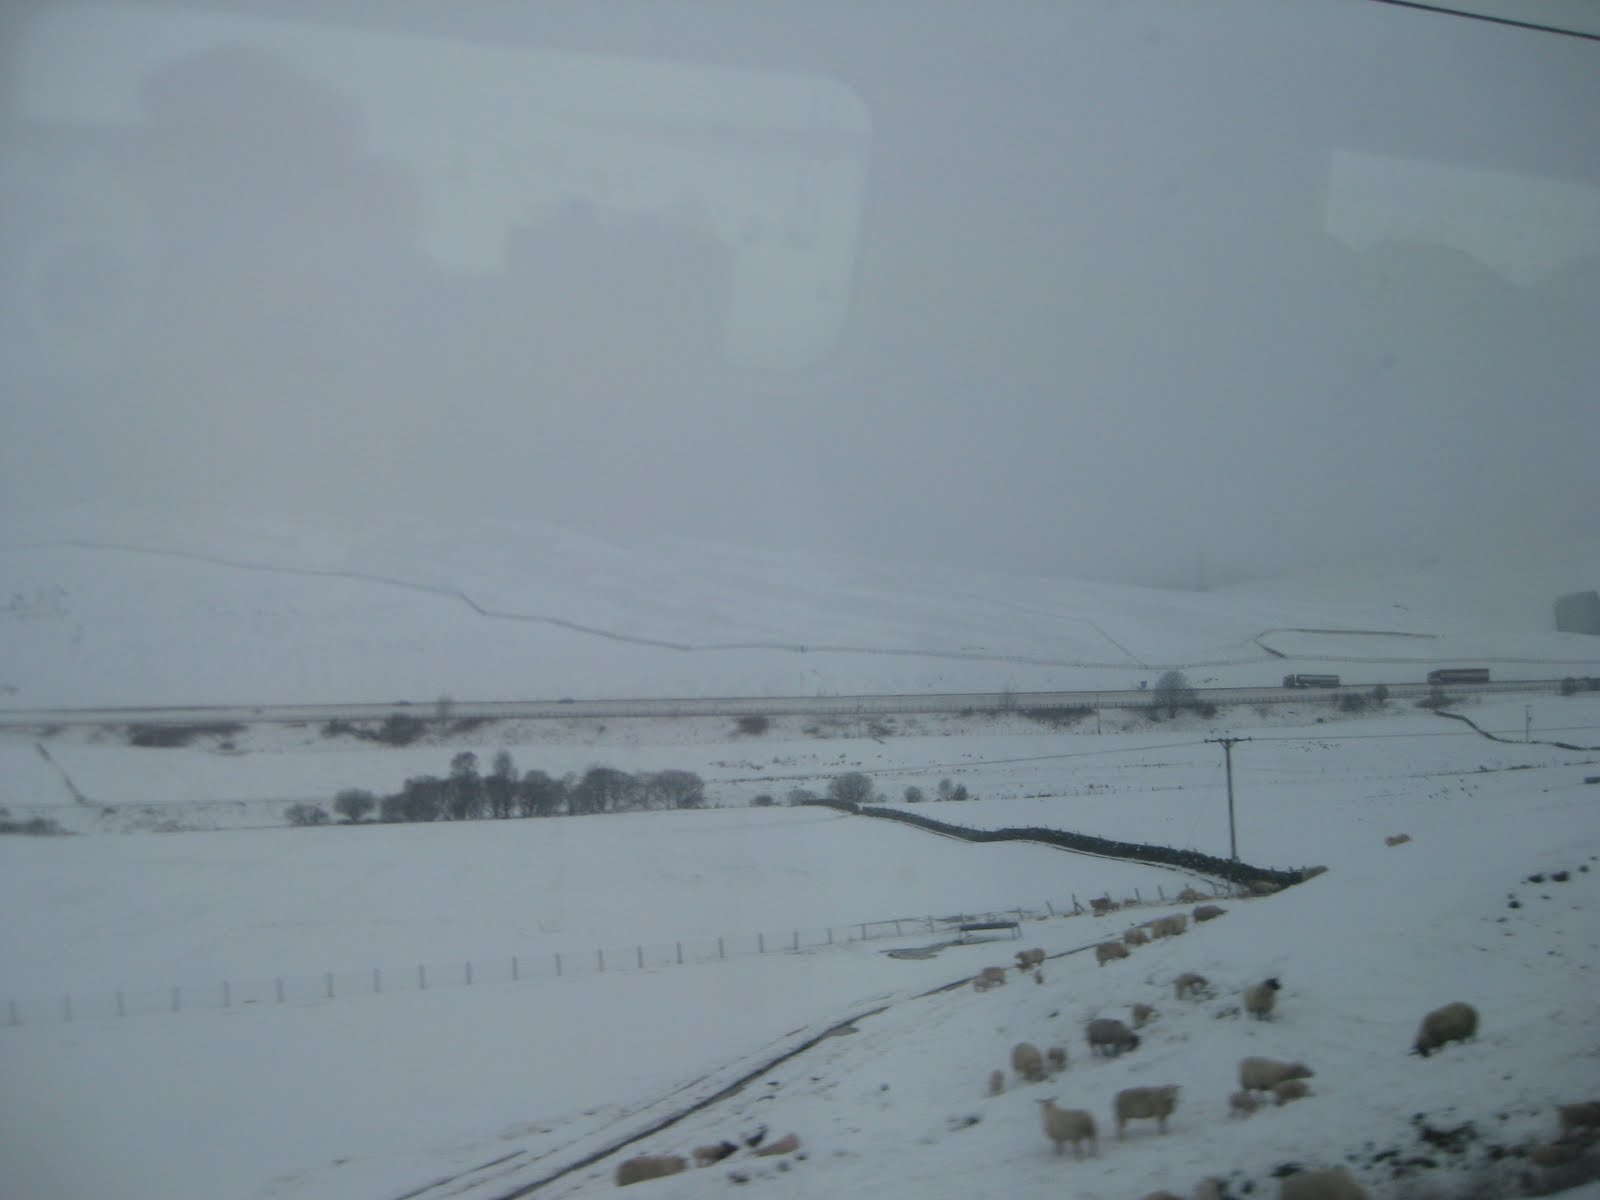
1096 289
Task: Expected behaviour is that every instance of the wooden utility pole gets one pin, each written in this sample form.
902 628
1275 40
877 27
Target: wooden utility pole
1227 745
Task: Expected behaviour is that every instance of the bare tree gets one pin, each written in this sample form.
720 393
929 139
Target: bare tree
1172 692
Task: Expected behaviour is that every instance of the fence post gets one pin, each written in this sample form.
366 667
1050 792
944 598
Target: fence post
377 980
680 954
66 1007
1140 898
863 933
279 982
600 957
514 968
830 935
122 1009
797 941
11 1007
1076 908
1161 893
227 994
639 953
722 949
330 984
761 943
176 1003
1050 908
558 962
422 976
468 973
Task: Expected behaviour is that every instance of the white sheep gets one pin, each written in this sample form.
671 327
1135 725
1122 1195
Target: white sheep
1027 1061
1110 1037
1170 925
1290 1089
1208 912
989 977
1190 984
1136 937
1189 896
1242 1104
1264 1074
1028 960
1141 1015
1063 1125
1321 1185
1146 1103
1057 1057
649 1166
1452 1023
1260 998
787 1144
1109 951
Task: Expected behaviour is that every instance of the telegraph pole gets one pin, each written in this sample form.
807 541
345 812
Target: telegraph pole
1227 745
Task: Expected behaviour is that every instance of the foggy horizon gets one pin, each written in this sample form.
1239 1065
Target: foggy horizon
1101 292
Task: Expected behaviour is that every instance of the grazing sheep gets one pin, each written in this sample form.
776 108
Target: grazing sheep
787 1144
1242 1104
1452 1023
704 1156
1141 1015
1190 984
1189 896
1264 1074
1107 951
1169 926
1555 1154
649 1166
1110 1037
1261 887
1027 1061
1027 960
989 977
1208 912
1399 839
1579 1116
1063 1125
1146 1103
1101 905
1136 937
1260 998
1321 1185
1057 1057
1290 1089
997 1082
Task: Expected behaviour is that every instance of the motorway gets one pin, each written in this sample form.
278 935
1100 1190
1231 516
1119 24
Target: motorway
723 706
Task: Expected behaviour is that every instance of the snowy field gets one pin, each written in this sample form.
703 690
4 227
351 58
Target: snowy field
420 1084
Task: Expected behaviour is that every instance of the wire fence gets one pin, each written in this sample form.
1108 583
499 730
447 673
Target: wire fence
41 1007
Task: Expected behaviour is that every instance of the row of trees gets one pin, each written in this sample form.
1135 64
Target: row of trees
467 794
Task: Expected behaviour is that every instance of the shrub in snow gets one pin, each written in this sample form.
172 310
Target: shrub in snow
305 814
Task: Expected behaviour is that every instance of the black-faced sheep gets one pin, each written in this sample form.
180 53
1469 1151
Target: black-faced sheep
1321 1185
1101 905
649 1166
1264 1074
1452 1023
1027 1061
1109 951
1208 912
1146 1103
1110 1037
1261 998
704 1156
1063 1125
1190 984
1028 960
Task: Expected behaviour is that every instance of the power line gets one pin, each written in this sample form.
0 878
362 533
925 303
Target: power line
1491 19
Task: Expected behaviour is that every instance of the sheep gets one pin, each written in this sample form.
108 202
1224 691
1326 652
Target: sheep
997 1082
1208 912
649 1166
1136 937
1289 1089
1452 1023
1242 1104
1141 1015
1143 1103
1027 960
989 977
1260 998
1210 1188
1107 951
1057 1058
1190 984
1398 839
1063 1125
1102 905
1575 1117
787 1144
1264 1074
1555 1154
1189 896
1169 926
1321 1185
704 1156
1027 1061
1110 1037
